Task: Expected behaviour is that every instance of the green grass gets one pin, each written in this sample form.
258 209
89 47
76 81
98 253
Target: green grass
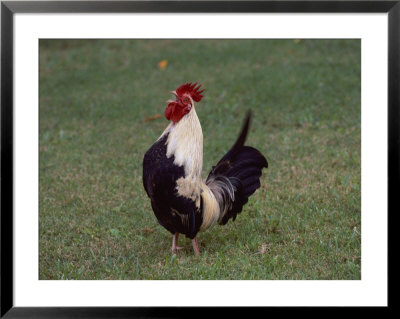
303 223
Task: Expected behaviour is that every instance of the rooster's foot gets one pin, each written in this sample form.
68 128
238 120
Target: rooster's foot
195 246
175 246
175 250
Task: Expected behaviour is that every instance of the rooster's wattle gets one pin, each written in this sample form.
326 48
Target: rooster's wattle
182 201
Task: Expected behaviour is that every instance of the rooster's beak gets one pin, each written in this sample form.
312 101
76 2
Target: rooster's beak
174 93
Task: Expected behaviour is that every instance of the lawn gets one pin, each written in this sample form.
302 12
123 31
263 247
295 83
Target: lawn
99 101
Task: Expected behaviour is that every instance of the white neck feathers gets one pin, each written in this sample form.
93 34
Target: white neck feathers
185 142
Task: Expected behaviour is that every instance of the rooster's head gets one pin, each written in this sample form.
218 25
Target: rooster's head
184 97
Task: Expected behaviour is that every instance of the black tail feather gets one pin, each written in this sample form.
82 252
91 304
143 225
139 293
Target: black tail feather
240 140
243 166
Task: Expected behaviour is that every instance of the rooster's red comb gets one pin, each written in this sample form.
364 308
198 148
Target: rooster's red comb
192 90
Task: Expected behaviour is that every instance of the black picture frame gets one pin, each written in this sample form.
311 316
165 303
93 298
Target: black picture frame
9 8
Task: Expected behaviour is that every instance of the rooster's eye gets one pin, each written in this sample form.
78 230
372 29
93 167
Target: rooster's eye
185 100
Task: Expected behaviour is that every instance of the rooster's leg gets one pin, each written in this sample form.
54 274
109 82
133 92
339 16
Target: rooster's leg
175 246
195 246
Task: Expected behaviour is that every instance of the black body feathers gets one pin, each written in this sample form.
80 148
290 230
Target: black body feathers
173 212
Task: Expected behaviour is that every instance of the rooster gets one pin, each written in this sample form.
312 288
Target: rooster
182 201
